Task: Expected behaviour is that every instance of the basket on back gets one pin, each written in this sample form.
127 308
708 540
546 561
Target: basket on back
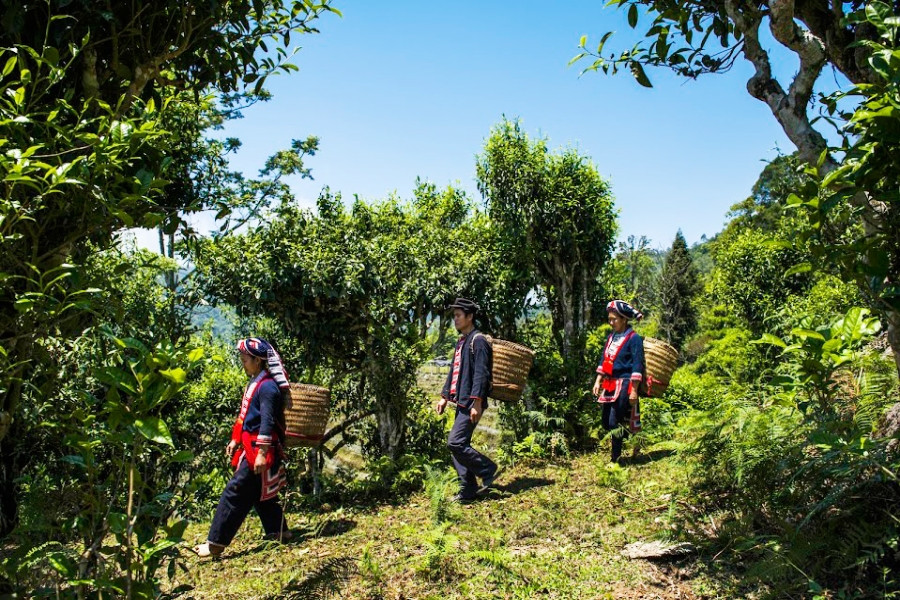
307 417
661 359
512 362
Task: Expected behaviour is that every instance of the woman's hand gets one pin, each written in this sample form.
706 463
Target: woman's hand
259 465
231 448
597 383
632 397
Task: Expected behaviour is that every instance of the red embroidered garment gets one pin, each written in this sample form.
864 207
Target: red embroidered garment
612 386
238 427
273 477
457 358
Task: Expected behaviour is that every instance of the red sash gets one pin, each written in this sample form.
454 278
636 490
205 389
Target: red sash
273 478
237 430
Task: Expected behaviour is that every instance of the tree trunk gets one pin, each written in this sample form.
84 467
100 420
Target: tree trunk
790 106
442 334
566 310
312 460
9 472
894 336
390 390
391 415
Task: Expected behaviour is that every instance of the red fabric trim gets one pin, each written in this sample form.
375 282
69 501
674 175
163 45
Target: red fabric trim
634 423
301 436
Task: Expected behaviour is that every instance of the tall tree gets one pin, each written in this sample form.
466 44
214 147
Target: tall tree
678 288
856 38
557 213
632 273
84 90
357 289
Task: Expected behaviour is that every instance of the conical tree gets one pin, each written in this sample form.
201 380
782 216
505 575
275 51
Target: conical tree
677 288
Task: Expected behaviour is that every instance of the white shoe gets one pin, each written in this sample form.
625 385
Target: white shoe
209 549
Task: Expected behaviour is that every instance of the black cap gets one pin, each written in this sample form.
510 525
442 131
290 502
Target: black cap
466 305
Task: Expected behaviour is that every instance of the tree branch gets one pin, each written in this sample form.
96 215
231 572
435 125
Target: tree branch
789 108
343 426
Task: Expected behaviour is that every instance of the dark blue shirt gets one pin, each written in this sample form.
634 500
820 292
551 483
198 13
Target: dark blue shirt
475 363
266 412
629 363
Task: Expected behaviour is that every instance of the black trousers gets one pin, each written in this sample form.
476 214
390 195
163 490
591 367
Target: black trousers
239 496
616 415
470 463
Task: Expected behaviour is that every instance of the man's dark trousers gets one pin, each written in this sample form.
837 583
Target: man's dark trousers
469 462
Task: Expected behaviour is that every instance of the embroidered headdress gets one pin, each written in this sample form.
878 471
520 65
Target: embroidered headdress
260 348
626 310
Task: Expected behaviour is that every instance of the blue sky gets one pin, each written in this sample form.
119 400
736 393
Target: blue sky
402 89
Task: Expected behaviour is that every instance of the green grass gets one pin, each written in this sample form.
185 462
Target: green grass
554 531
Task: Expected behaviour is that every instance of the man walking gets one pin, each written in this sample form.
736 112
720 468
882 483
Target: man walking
467 386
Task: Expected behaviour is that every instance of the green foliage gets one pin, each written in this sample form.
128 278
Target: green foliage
753 275
689 390
202 420
102 109
803 488
816 354
631 274
440 546
612 475
732 356
372 573
538 445
323 582
556 218
355 291
827 299
440 484
550 418
766 209
124 525
389 478
678 287
861 187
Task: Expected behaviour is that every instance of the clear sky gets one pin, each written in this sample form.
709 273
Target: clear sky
400 89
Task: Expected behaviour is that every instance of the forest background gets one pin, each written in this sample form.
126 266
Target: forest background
116 399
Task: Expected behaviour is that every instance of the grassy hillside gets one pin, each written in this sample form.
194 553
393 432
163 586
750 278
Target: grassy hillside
550 531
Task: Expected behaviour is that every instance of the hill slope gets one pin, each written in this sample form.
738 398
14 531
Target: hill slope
549 531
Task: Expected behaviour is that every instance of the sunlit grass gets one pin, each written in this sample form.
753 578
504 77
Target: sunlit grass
553 530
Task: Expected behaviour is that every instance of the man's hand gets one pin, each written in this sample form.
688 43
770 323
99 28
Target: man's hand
230 449
475 411
259 465
440 406
597 383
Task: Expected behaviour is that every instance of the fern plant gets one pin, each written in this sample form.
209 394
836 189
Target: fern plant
439 485
322 583
439 548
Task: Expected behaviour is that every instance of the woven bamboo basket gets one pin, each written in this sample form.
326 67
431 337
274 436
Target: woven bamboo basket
308 416
512 362
662 360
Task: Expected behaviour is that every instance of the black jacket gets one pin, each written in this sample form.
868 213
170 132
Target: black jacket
476 359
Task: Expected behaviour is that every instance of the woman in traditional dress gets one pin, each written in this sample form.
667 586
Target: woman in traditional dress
255 450
619 375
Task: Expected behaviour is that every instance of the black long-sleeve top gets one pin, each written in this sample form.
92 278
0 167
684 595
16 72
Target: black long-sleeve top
476 357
